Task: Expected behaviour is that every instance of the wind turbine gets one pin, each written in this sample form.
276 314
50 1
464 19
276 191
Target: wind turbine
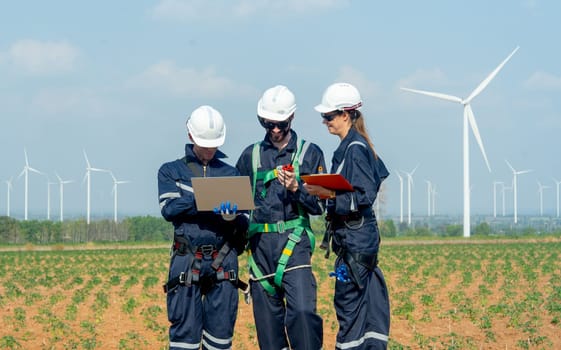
87 177
495 183
115 183
557 183
61 184
9 188
469 121
409 184
540 192
25 172
49 183
400 196
433 195
429 192
504 197
514 188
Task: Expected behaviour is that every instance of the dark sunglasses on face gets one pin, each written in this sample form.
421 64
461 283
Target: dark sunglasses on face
330 116
271 125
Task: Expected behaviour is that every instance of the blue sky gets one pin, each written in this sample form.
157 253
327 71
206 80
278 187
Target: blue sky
119 79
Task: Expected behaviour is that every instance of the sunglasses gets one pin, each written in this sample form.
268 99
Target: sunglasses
329 117
269 125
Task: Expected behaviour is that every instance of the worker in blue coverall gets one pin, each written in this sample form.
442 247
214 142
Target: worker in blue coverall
283 287
202 296
361 296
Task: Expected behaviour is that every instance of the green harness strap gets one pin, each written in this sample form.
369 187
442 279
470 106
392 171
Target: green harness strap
299 225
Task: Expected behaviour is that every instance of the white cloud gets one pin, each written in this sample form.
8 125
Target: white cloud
36 57
167 76
543 81
180 10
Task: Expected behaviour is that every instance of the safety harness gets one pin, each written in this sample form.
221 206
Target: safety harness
181 246
298 225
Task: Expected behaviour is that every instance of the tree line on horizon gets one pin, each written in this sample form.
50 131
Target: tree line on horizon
156 229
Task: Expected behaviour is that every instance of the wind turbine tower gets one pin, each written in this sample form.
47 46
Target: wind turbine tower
115 184
61 184
49 183
409 185
400 196
514 188
540 192
25 173
429 192
9 189
468 121
495 183
557 183
89 170
433 196
504 197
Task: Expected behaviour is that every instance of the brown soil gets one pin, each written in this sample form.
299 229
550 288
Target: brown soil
48 323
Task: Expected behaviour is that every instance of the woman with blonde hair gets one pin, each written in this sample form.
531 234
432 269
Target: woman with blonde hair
361 296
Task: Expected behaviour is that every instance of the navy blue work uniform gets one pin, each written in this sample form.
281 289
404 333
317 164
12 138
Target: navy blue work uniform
362 303
202 300
285 316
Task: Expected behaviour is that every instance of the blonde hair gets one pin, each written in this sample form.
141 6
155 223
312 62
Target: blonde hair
360 125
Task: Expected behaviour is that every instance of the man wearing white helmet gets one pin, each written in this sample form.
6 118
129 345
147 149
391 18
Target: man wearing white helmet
361 296
202 297
283 287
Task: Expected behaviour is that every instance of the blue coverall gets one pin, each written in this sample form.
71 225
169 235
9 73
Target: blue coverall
289 316
363 313
196 318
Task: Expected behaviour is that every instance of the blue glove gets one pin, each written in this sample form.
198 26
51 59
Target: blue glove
227 211
342 274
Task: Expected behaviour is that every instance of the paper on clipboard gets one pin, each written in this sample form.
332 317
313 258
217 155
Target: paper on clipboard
211 191
330 181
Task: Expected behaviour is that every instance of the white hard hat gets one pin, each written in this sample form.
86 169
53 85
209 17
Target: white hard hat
278 103
339 97
206 127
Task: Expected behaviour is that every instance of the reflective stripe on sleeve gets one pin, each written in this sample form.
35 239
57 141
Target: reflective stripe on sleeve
184 187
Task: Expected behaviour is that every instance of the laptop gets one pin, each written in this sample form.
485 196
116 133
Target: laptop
211 191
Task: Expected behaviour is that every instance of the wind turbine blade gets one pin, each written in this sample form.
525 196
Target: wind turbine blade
22 172
100 170
475 129
26 159
510 166
490 77
435 94
524 172
35 171
87 160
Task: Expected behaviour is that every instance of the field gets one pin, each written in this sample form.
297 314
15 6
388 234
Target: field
483 295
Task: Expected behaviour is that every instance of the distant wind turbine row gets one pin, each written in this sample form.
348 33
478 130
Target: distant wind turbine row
89 169
468 121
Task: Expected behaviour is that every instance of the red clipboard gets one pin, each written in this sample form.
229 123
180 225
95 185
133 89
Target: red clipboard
330 181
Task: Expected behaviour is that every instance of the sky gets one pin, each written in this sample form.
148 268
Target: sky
118 80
